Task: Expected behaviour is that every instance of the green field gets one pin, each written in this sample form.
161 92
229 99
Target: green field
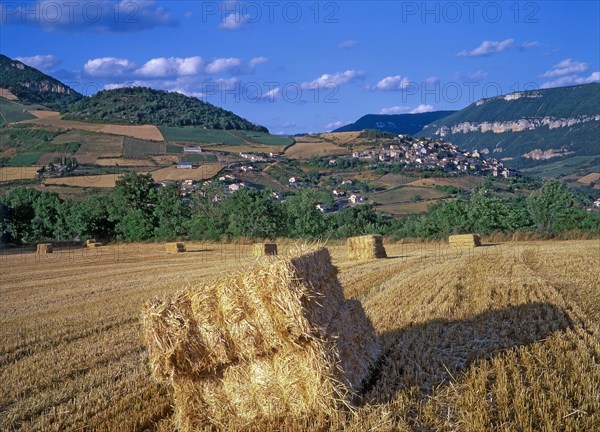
138 149
12 112
25 159
200 158
197 135
264 138
564 167
174 149
405 194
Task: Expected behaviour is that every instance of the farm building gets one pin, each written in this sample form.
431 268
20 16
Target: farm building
185 165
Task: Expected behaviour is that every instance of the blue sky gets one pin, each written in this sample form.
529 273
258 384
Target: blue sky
309 66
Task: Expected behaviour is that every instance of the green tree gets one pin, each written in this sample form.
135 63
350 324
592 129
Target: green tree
253 213
170 212
551 208
302 217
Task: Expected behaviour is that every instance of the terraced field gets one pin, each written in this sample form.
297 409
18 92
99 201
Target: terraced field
498 338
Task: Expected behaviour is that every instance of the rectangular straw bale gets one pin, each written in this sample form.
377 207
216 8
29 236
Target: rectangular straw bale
366 247
44 248
356 342
289 383
92 243
278 340
175 247
260 249
464 240
276 305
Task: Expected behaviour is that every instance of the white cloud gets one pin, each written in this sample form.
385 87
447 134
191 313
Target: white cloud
337 79
566 67
572 80
527 45
422 108
350 43
398 109
488 48
125 16
171 66
272 94
44 63
234 21
107 67
288 125
334 125
230 64
431 80
256 61
392 83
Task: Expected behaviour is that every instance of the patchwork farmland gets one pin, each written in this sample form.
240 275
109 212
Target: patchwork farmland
501 337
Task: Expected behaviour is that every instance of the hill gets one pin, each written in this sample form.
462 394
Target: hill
529 129
408 124
142 105
30 86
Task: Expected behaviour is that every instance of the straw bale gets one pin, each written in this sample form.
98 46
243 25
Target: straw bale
356 342
289 383
366 247
175 247
276 340
44 248
275 306
260 249
92 243
464 240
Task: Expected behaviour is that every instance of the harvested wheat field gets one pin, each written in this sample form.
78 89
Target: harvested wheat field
97 181
203 172
495 338
7 94
305 150
18 173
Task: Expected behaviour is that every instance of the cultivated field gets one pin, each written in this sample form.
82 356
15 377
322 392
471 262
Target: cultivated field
497 338
203 172
96 181
144 132
7 94
306 150
18 173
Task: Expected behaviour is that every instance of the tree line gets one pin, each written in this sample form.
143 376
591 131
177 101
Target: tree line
138 209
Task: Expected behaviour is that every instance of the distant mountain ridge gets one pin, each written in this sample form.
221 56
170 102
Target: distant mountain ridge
31 86
529 128
407 124
143 105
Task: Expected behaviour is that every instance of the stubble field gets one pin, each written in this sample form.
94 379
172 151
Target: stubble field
503 337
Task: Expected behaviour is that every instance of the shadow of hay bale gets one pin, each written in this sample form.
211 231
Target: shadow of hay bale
423 356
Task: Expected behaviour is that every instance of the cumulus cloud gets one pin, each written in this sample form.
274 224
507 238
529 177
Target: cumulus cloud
125 16
572 80
337 79
488 48
392 83
44 63
234 21
399 109
171 66
220 65
256 61
566 67
108 67
350 43
334 125
396 109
